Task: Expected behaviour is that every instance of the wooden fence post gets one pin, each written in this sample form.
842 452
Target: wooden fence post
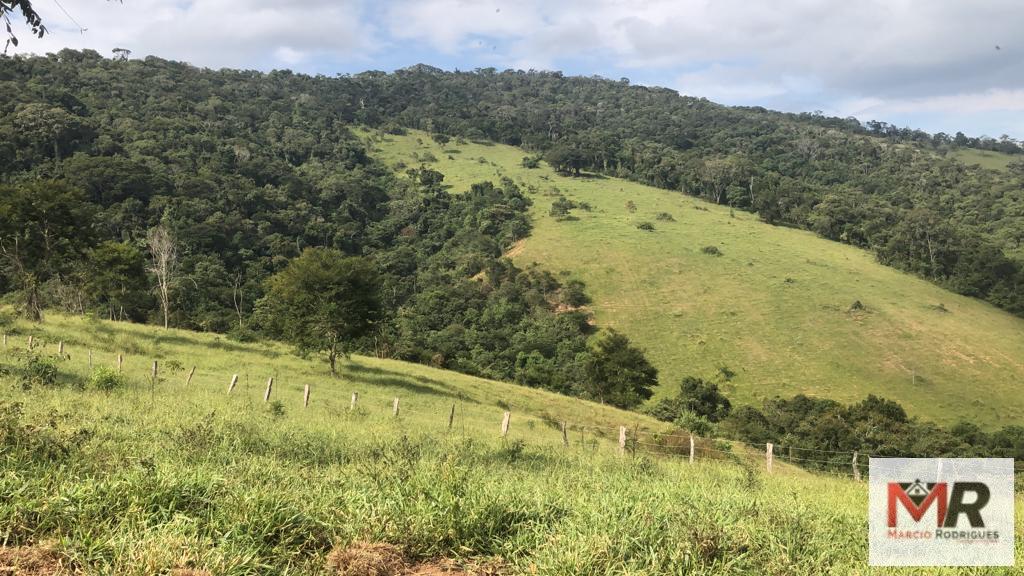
355 398
90 360
394 408
856 469
622 440
5 341
29 343
451 416
565 434
691 448
305 396
120 361
154 371
60 348
270 386
191 373
504 423
769 455
234 381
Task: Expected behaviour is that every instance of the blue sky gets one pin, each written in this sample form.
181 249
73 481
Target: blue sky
939 65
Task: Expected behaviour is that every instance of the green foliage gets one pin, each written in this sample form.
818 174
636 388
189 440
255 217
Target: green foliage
711 250
826 432
561 207
740 309
38 370
697 398
115 281
323 301
617 372
41 236
646 226
696 424
203 469
106 379
531 162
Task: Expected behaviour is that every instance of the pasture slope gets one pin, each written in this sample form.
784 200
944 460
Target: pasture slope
166 477
776 307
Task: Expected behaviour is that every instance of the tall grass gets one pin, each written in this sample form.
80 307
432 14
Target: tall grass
150 477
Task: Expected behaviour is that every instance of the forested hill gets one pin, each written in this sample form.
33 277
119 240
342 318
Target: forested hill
898 192
185 134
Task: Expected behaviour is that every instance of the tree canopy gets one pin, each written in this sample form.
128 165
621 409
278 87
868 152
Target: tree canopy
323 301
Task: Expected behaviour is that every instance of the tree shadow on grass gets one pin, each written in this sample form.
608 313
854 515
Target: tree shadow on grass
416 384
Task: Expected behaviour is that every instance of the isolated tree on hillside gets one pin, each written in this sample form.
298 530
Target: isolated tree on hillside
323 301
164 265
618 373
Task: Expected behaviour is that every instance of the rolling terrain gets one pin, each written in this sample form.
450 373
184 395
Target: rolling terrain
778 308
176 477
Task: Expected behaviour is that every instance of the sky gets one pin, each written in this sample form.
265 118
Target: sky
937 65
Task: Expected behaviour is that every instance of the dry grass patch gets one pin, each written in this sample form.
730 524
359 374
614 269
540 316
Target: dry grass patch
381 559
32 561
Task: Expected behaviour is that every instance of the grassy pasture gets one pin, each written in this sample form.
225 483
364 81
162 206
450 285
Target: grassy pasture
984 158
774 307
148 478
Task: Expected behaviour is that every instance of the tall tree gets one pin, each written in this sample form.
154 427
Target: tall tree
44 228
618 373
115 280
164 253
322 301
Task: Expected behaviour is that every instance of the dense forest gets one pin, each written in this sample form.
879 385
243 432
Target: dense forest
153 191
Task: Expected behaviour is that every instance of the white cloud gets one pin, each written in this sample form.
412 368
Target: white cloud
971 103
214 33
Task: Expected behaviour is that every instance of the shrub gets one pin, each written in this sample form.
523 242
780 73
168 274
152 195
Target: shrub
711 250
106 379
631 206
561 207
38 371
665 217
531 162
695 423
646 226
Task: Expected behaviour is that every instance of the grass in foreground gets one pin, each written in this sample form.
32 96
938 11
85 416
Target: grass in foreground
150 478
776 307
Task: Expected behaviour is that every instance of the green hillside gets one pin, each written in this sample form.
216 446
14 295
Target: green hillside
176 478
776 307
984 158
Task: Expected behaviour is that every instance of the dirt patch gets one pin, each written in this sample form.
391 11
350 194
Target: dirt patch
516 249
32 561
379 559
367 559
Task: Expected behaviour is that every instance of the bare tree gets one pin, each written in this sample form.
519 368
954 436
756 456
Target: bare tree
165 262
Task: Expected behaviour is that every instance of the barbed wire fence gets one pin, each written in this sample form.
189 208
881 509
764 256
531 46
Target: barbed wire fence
675 444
